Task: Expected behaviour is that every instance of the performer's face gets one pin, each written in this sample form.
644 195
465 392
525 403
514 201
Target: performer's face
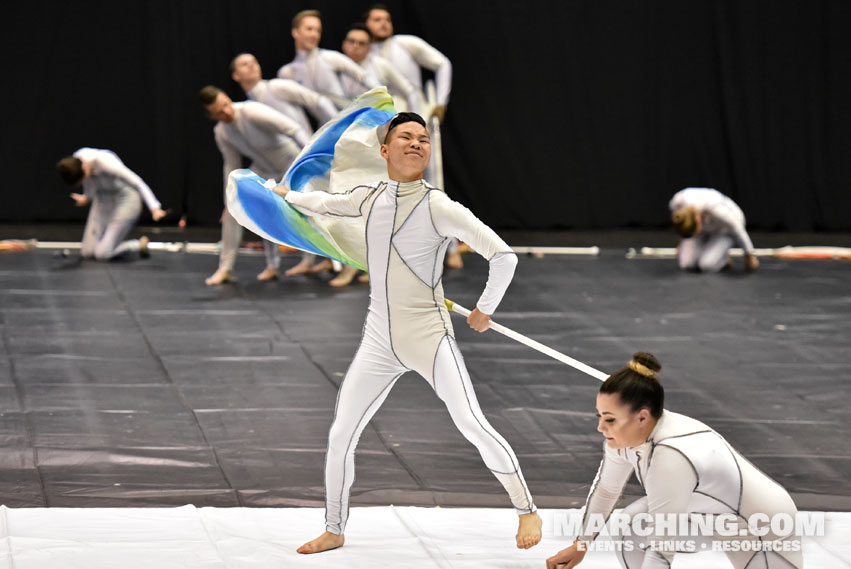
221 109
246 68
407 151
356 45
380 24
308 33
622 426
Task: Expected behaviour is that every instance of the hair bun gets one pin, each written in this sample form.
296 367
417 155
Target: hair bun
645 364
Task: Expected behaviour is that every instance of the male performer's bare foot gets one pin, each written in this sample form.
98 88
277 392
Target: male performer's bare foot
303 268
453 260
345 277
322 266
144 240
364 278
219 277
268 274
322 543
529 530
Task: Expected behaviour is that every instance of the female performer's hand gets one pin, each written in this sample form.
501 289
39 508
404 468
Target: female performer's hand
567 558
80 200
478 320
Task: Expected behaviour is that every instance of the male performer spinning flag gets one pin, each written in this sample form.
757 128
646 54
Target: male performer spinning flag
408 228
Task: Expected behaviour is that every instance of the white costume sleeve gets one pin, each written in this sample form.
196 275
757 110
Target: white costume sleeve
396 81
432 59
272 121
110 163
348 204
608 485
292 92
733 220
285 72
230 155
669 484
343 64
452 219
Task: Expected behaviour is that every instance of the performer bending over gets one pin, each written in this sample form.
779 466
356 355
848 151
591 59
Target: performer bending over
408 227
115 193
710 224
271 141
685 468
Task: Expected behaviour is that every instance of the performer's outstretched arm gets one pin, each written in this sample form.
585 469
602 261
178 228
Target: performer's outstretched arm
325 203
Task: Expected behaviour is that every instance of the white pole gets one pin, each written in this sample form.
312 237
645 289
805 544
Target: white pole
576 364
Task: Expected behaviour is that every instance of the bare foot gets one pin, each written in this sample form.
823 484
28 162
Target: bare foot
529 530
144 240
322 543
219 277
268 274
453 260
345 277
322 266
364 278
303 268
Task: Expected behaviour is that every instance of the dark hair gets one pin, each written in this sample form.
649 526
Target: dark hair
71 170
360 27
636 384
375 7
305 14
232 65
402 118
207 95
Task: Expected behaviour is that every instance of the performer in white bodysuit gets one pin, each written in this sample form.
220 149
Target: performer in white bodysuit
284 95
710 224
356 47
684 467
407 54
316 68
320 70
115 193
290 98
271 141
408 227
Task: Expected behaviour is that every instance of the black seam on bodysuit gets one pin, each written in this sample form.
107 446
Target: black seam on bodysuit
690 463
467 397
344 516
395 231
387 274
404 262
360 208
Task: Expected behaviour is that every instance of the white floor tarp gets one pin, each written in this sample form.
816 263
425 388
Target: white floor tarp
378 537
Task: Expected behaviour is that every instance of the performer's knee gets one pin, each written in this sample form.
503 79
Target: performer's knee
103 252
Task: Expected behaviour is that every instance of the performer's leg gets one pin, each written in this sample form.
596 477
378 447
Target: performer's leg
303 267
95 225
453 255
368 380
110 245
231 237
632 556
689 253
715 253
452 384
273 261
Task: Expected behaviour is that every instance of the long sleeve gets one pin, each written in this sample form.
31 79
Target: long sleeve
348 204
343 64
285 72
270 120
430 58
732 217
669 484
396 82
452 219
230 155
108 163
291 92
607 488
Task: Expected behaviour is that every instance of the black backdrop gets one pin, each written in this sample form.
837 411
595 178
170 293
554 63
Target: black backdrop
568 114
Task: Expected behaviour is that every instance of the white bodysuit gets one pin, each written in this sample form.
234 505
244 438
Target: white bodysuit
723 228
116 193
686 467
290 98
405 95
320 70
408 227
272 141
407 54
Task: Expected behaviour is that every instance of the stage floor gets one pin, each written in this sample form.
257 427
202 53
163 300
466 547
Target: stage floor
133 384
